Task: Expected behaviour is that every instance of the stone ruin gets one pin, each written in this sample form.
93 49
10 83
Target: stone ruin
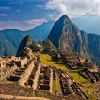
27 77
78 63
91 74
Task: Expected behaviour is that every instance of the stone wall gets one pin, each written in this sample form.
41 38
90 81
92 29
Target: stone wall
26 74
7 72
48 95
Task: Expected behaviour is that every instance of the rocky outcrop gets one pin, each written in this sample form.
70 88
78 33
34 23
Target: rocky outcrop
48 44
94 47
24 43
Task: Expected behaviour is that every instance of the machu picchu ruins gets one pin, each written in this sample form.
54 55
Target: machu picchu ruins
25 75
59 67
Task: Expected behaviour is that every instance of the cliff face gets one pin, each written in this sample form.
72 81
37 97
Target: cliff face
27 40
66 36
48 44
94 47
84 37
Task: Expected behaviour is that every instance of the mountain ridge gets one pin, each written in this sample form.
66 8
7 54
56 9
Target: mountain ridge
14 37
78 40
69 37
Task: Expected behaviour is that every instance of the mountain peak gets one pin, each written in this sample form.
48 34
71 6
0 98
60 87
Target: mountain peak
58 29
66 36
27 40
64 19
64 16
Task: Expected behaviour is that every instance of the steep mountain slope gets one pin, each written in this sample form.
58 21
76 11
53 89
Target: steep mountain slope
14 36
84 37
26 41
9 41
6 47
48 44
41 32
65 35
94 47
11 38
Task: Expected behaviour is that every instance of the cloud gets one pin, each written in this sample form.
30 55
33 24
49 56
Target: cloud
52 16
74 8
3 14
18 11
24 25
4 8
17 2
36 21
39 6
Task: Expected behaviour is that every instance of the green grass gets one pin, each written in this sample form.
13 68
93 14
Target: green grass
76 77
90 96
46 59
56 86
79 79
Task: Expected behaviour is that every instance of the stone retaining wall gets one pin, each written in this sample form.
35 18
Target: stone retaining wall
26 74
48 95
7 72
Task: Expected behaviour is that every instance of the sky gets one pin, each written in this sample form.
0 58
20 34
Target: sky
26 14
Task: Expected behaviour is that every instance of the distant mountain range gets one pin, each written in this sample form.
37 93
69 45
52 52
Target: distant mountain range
89 23
9 41
11 38
63 33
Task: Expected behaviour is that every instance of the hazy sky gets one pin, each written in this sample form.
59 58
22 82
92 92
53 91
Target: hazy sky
25 14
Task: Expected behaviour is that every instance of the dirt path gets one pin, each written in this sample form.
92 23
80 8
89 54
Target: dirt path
6 97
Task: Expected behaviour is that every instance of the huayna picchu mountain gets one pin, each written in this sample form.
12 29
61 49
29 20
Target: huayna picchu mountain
66 36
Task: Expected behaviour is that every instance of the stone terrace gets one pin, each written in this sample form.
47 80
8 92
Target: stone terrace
25 76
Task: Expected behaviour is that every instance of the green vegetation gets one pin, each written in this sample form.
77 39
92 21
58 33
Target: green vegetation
56 86
34 47
48 44
46 59
79 79
90 96
76 77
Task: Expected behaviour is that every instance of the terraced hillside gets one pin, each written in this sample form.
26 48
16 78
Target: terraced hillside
84 84
37 75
